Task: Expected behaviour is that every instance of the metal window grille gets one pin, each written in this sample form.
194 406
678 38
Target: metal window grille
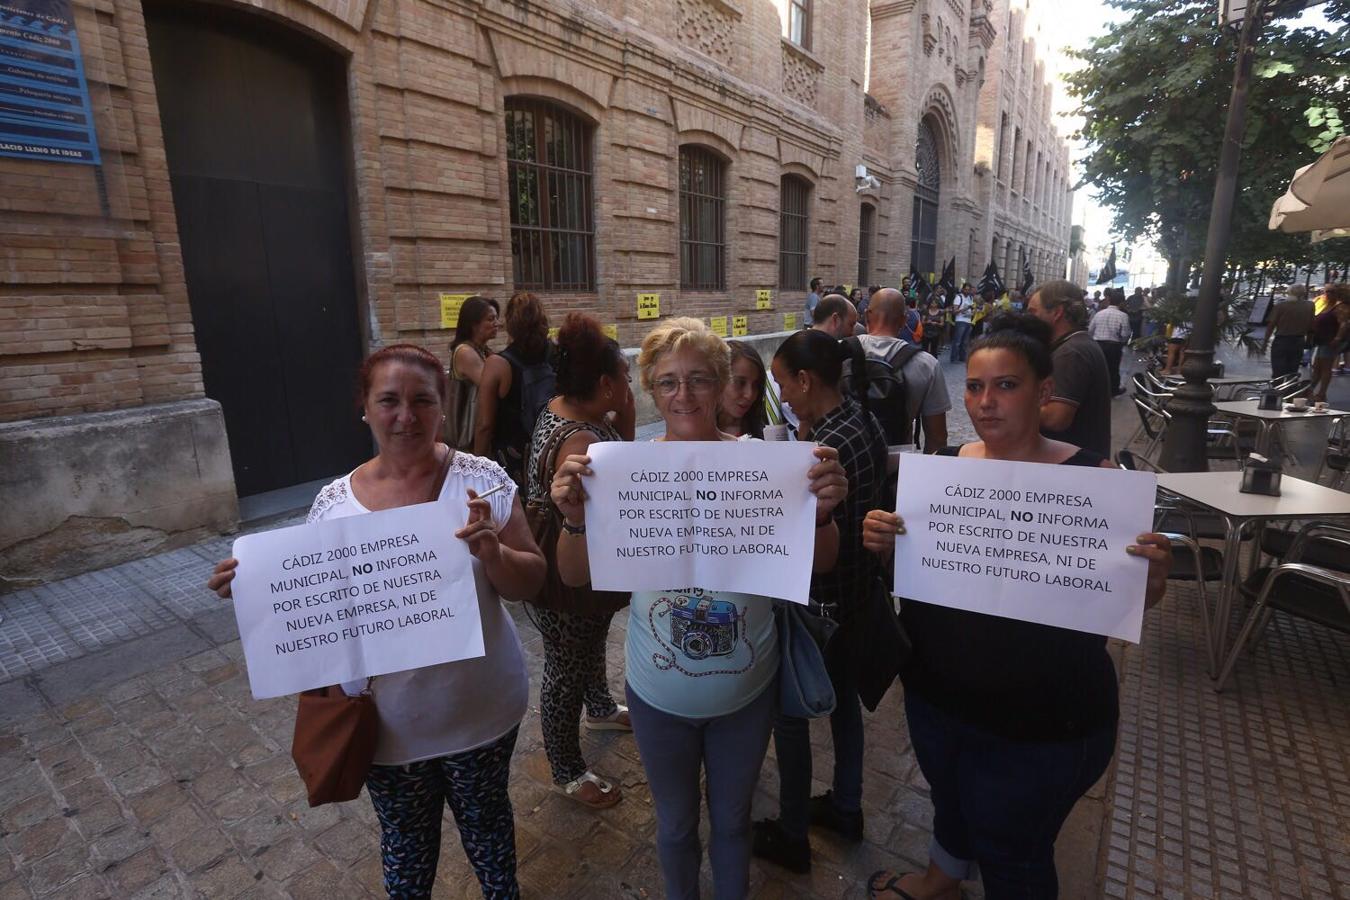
548 153
865 219
796 196
703 238
927 194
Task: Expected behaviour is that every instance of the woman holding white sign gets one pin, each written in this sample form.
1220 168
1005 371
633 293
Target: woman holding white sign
446 732
701 665
1011 721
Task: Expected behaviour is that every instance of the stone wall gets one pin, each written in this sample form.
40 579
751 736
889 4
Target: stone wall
83 492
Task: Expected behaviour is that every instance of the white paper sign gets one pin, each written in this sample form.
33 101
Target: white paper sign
718 515
1027 541
362 595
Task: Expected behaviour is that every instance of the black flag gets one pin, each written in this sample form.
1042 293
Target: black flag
990 281
919 283
1027 278
1108 272
948 279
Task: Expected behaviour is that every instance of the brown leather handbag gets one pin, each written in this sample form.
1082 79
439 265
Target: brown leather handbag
334 742
335 735
546 524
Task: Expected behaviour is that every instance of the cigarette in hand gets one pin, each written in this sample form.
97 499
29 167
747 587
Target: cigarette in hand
490 491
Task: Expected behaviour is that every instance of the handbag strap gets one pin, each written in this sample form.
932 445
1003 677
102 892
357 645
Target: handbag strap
548 456
440 475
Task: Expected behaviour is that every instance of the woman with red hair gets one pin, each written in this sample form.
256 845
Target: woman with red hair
447 731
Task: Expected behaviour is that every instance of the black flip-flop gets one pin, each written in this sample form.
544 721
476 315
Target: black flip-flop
892 885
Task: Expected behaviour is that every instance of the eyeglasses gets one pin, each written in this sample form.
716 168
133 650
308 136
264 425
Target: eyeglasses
697 384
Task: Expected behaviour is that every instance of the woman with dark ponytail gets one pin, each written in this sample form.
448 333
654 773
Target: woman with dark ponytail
1011 721
808 367
469 351
594 402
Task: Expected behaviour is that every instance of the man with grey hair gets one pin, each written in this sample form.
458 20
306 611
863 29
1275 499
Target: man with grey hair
1290 323
1079 410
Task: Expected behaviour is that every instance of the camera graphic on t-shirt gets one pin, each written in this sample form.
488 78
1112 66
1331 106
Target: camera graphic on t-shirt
702 628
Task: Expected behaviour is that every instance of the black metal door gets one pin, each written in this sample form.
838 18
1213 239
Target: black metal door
253 129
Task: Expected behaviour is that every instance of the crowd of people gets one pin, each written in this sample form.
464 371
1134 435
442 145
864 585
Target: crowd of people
1011 722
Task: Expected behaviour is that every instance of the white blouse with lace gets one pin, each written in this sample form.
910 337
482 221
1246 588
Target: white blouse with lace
457 706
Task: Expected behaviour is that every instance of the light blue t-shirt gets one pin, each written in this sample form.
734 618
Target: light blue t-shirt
698 654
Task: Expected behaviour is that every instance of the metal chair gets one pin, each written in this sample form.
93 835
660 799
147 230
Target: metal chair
1190 560
1152 423
1300 589
1336 456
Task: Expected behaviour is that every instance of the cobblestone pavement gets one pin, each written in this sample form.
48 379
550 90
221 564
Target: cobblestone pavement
134 763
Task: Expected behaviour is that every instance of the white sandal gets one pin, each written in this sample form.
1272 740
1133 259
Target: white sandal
612 722
607 795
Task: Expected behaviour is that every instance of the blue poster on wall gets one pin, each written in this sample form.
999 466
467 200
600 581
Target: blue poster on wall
44 98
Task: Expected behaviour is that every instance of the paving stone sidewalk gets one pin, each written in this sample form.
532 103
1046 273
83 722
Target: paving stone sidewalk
134 763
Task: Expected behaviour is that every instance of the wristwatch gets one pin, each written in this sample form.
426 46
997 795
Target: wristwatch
573 529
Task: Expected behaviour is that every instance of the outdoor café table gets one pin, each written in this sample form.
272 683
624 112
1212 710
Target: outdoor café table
1270 419
1218 491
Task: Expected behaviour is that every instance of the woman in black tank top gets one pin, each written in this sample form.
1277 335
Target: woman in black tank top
1011 721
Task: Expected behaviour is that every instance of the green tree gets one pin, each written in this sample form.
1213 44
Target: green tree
1154 97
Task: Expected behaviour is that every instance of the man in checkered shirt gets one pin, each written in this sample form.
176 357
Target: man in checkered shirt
1110 328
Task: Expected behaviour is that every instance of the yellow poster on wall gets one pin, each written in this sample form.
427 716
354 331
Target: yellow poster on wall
649 306
450 306
789 321
740 326
763 299
612 332
719 325
553 334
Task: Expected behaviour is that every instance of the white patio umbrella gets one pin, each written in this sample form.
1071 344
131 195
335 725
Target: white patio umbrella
1318 199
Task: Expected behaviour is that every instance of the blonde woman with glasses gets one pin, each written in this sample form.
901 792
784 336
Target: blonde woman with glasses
698 706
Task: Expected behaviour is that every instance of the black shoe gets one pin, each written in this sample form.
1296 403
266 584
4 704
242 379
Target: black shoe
1118 392
768 841
824 814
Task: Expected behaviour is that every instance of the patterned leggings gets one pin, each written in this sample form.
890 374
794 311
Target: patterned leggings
574 672
409 802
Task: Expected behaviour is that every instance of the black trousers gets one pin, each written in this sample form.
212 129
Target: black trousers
1286 354
1112 350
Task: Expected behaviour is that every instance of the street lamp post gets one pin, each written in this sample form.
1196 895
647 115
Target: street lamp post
1184 443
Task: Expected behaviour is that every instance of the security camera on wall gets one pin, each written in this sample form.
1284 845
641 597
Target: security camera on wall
865 180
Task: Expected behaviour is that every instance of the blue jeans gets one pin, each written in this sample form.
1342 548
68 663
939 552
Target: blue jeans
730 750
792 744
960 334
1000 803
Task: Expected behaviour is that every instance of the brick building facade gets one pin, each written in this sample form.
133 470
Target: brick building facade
714 153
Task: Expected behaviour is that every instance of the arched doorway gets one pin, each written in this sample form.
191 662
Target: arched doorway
924 231
254 122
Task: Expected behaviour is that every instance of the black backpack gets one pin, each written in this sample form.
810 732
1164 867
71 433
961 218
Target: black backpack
881 388
536 383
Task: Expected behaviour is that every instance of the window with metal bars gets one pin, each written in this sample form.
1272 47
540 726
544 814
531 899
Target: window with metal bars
703 234
548 152
797 28
794 209
865 219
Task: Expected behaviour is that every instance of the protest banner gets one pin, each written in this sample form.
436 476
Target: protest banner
1026 541
362 595
717 515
